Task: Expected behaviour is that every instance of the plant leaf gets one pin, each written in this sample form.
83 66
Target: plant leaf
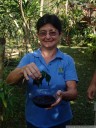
39 81
48 77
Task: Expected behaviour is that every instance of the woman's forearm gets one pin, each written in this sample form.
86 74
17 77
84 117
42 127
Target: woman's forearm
71 92
70 95
15 76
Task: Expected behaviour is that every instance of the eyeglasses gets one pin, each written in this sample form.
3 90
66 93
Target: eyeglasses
44 33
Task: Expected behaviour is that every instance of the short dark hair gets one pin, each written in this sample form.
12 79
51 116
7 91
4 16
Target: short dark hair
49 19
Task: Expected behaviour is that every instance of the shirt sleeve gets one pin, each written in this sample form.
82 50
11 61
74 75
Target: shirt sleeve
70 70
27 59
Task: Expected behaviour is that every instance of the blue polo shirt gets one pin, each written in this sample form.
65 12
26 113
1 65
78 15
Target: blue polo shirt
61 69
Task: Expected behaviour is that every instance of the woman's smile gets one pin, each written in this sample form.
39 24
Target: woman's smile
48 36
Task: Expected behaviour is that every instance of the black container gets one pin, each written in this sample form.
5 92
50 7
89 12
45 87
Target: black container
43 97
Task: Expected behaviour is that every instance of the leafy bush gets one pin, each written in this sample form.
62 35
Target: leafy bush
92 52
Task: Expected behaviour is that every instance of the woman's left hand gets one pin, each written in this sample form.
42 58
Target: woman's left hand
59 95
68 95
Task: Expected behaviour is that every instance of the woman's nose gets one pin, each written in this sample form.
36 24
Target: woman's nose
47 35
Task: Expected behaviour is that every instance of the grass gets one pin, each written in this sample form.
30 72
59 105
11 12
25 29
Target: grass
83 110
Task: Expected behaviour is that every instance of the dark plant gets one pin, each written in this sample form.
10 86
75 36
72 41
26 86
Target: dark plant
44 75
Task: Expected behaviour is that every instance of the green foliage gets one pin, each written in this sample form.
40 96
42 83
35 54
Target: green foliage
5 101
7 19
91 41
12 22
91 52
3 94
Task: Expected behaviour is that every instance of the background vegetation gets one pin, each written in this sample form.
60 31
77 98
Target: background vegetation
18 36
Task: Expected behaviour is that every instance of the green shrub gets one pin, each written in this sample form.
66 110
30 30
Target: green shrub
92 52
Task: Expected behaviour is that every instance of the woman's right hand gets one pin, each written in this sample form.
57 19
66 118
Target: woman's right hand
32 71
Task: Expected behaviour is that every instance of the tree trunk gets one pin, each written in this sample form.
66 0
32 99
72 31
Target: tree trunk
25 26
66 7
2 53
68 40
41 7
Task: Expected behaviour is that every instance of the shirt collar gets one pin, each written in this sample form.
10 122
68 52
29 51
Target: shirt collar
59 54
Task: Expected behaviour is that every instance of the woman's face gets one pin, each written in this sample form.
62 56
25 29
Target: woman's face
48 36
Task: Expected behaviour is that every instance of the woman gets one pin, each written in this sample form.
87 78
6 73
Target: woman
58 65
